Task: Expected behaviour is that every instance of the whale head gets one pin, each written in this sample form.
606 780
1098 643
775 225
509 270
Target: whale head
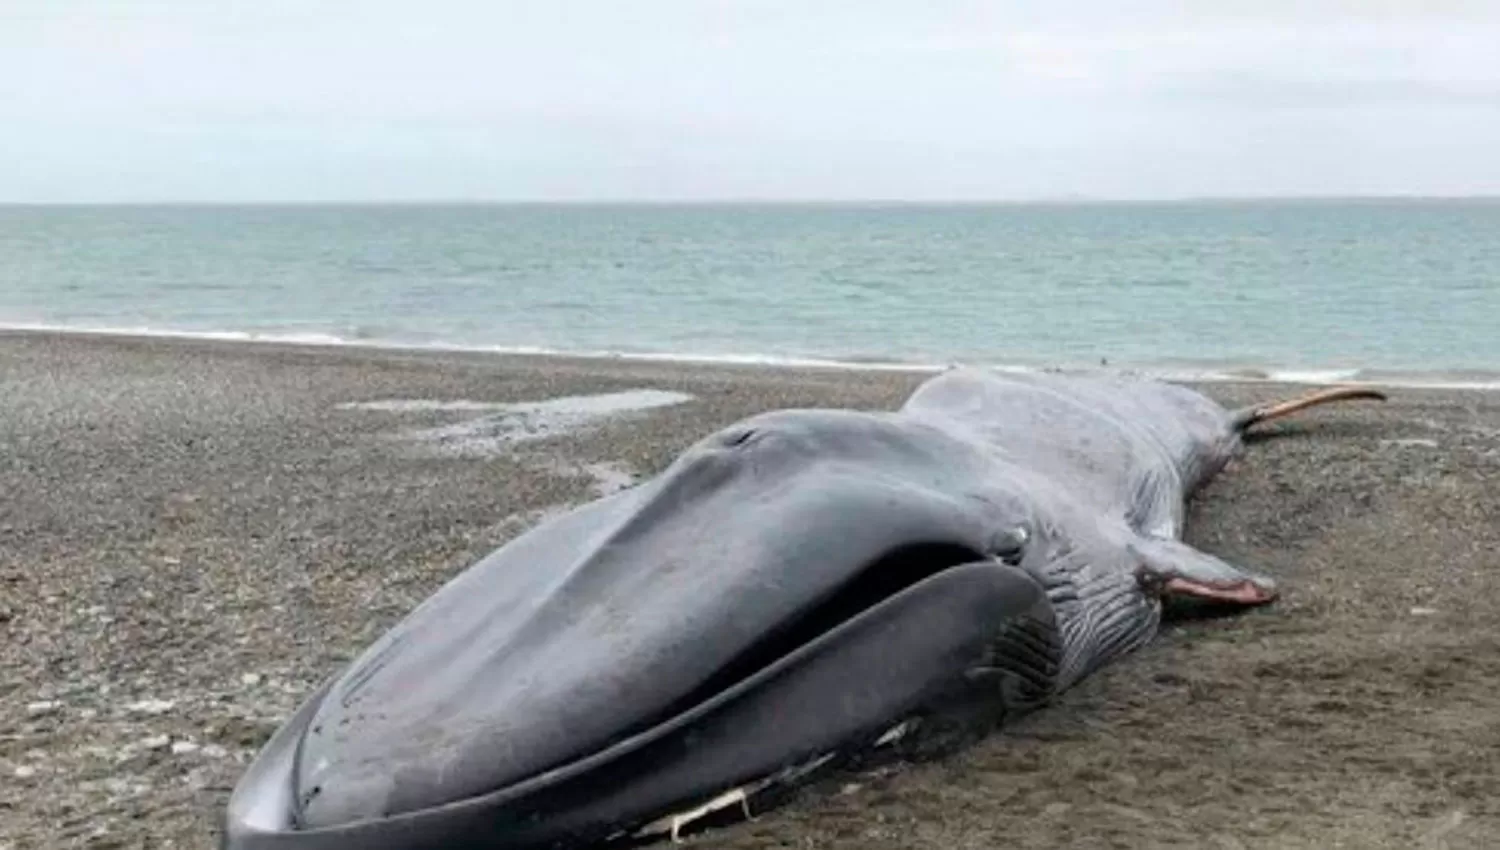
789 588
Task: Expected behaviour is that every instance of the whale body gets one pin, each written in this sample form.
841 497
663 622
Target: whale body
799 585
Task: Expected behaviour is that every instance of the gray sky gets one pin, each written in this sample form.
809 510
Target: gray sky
688 99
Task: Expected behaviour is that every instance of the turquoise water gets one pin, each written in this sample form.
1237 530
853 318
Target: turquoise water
1310 287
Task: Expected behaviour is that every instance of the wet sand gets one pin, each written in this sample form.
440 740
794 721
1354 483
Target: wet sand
192 534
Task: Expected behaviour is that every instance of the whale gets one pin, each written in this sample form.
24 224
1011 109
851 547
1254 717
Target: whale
793 590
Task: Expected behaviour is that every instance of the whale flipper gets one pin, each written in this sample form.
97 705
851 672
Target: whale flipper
1179 571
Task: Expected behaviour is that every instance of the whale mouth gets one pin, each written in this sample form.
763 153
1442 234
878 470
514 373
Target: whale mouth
722 734
800 633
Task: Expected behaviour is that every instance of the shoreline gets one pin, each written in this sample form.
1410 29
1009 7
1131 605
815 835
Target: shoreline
196 533
1448 379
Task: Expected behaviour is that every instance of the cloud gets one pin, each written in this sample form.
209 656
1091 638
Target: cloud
217 99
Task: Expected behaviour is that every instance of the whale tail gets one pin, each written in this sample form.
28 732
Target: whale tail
1246 417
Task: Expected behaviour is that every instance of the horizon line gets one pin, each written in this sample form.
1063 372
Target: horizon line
1061 200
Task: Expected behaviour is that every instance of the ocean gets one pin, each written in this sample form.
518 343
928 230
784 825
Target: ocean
1393 291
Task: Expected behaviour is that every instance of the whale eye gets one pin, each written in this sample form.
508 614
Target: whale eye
738 437
1010 545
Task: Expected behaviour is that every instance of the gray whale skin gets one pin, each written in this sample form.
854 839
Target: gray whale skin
801 586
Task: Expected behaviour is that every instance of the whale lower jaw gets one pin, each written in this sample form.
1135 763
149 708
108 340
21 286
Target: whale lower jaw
843 692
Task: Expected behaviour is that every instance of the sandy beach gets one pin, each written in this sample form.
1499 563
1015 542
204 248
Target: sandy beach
193 534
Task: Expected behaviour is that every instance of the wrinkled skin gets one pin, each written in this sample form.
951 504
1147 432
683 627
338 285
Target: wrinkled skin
790 587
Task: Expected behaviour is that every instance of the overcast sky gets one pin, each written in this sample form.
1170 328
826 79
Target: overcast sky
695 99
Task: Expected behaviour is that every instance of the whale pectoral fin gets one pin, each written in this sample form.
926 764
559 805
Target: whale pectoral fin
1176 570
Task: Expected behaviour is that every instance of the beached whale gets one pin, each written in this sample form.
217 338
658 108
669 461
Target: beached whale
797 587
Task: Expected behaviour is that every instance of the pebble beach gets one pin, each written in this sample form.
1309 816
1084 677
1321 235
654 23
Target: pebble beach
193 534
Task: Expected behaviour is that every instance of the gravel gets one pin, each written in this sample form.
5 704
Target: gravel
194 534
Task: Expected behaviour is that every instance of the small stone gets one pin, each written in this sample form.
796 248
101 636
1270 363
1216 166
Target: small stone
41 708
250 679
1423 612
155 742
151 706
214 751
25 771
180 748
197 779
